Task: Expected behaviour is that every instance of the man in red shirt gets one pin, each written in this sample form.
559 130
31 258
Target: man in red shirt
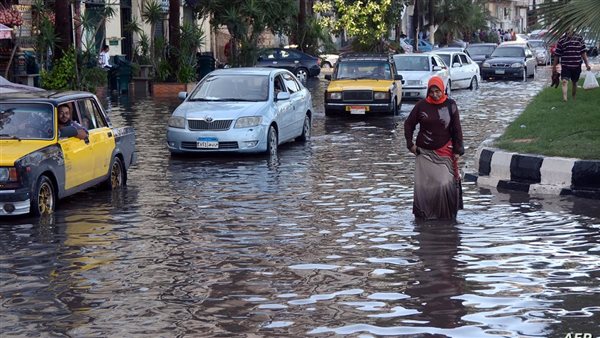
570 49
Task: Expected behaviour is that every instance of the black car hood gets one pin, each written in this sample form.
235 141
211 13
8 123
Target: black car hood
506 59
478 57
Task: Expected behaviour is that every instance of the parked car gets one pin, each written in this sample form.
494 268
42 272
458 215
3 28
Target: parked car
363 84
41 163
458 43
329 60
451 49
541 51
464 73
300 64
416 70
424 45
241 110
481 51
510 61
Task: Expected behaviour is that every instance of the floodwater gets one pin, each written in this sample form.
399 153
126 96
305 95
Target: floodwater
319 241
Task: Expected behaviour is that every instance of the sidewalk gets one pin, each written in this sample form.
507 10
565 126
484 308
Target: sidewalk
536 174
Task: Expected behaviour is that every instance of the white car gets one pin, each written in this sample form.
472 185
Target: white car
416 70
241 110
329 60
464 72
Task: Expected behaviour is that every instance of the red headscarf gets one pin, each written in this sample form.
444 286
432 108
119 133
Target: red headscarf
437 82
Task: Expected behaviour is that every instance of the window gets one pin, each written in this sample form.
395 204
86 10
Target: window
279 86
91 118
290 83
455 59
465 60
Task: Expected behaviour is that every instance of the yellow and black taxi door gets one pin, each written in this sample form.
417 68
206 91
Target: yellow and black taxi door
102 139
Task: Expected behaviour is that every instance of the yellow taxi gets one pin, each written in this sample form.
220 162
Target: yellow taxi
41 163
364 84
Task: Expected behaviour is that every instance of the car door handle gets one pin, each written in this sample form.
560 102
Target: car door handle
109 134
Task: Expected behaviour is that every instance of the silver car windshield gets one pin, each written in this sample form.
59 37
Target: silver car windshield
26 121
412 63
232 88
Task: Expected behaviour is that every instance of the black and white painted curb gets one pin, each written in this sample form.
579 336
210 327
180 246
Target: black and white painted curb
535 174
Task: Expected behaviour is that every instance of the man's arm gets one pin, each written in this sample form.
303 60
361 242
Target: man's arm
585 59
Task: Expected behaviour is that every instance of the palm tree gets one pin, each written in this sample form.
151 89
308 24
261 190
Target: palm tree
581 15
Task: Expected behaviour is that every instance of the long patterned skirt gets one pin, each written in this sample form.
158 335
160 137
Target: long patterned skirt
437 191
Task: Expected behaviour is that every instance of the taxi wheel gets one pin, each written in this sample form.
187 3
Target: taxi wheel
272 141
43 199
306 129
116 179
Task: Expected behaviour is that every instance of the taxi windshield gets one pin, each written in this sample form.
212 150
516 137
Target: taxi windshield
26 121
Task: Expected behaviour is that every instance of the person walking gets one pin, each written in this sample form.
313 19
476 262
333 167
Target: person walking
437 186
570 51
104 57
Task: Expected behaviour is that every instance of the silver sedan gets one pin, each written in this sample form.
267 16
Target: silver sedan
241 110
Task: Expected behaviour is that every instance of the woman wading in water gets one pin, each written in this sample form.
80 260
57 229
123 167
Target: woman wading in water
437 190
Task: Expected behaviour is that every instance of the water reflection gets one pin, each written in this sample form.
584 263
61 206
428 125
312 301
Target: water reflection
319 240
436 281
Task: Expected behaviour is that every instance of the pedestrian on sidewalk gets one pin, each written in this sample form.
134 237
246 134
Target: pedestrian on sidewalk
437 188
570 50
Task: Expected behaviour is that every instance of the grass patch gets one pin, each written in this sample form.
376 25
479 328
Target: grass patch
551 127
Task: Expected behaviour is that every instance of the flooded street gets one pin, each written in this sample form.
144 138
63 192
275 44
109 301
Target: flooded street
320 241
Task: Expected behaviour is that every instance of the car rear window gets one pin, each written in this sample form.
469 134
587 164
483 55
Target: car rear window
412 63
26 121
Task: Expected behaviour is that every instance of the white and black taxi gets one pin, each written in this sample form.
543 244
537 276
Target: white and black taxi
41 163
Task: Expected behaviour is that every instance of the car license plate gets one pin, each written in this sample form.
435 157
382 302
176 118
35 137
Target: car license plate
207 143
499 71
357 110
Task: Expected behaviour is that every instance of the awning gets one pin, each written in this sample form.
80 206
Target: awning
5 32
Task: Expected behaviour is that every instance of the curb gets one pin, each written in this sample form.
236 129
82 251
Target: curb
535 174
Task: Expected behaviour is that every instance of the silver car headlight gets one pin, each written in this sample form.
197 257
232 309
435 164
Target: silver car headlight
177 122
516 65
486 64
248 121
334 96
381 95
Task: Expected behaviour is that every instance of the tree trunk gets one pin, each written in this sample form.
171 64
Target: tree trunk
174 41
62 26
415 26
431 21
297 38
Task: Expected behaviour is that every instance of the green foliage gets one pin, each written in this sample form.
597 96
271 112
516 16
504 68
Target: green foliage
580 15
191 38
246 20
367 21
46 39
62 76
152 14
459 19
311 36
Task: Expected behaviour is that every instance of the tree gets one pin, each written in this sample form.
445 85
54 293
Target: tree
581 15
246 20
367 21
63 27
